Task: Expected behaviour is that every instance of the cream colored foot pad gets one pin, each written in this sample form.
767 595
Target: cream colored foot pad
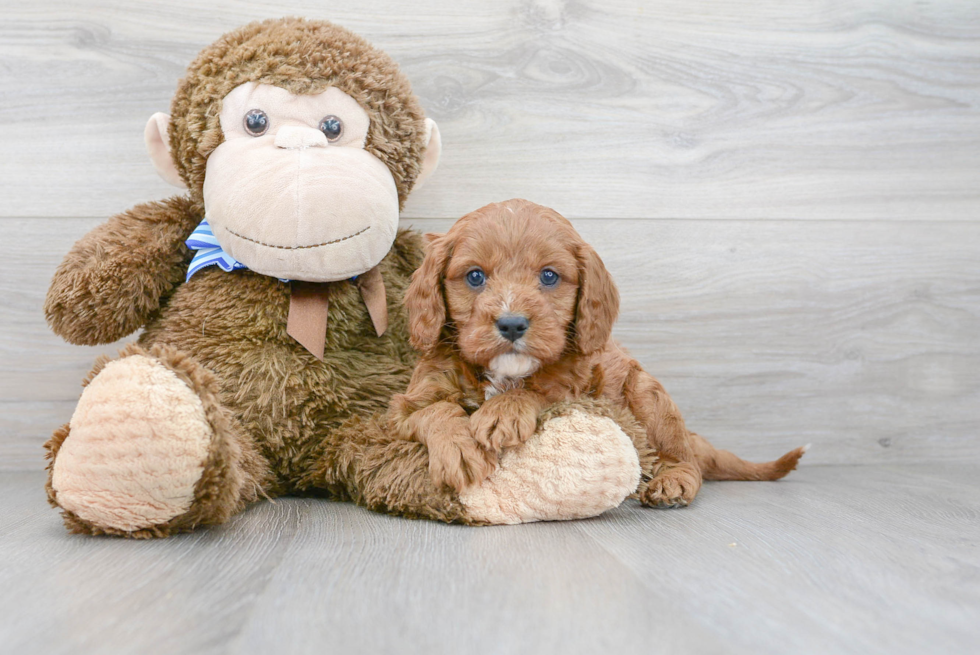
578 465
136 447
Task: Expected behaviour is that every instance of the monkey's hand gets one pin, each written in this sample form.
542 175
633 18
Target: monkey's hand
506 420
116 276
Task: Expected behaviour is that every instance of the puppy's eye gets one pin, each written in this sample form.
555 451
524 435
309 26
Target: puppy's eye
332 127
476 278
549 278
256 122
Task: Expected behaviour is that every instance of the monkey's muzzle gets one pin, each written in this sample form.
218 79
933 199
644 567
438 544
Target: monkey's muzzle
291 206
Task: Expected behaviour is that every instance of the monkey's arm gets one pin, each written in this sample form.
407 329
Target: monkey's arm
117 275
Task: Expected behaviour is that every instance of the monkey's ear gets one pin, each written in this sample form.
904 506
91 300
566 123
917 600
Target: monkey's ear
158 145
433 149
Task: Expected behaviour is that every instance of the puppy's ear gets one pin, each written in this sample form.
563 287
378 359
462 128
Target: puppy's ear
424 298
598 302
429 237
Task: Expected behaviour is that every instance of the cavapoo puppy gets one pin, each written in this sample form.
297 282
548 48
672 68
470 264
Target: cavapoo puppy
512 312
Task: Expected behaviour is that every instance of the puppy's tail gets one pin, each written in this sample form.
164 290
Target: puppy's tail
722 465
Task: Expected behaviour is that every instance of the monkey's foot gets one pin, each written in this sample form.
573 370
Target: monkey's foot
577 465
674 485
140 456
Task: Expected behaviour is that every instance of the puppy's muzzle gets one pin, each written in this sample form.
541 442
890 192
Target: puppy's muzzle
512 327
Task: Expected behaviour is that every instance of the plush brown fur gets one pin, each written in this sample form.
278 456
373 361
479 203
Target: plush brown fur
119 274
276 412
450 404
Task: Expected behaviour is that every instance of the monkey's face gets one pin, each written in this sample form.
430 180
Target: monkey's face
292 193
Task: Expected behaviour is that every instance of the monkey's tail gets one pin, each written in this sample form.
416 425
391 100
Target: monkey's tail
719 464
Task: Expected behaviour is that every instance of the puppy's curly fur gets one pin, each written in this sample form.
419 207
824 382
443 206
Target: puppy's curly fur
476 392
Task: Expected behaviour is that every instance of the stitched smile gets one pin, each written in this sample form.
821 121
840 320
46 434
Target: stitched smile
315 245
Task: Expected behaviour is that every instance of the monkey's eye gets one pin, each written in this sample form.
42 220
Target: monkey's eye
332 127
476 278
549 277
256 122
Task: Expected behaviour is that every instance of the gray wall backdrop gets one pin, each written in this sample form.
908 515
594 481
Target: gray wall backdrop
788 193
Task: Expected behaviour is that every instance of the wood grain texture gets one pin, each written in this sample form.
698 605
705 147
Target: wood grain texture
615 109
859 337
835 559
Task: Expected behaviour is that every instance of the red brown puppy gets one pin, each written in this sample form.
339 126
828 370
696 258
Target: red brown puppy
512 312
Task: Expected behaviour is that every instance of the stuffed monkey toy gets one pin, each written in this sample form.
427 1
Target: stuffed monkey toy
269 296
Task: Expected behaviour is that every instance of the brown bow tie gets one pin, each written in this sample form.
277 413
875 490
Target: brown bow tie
307 322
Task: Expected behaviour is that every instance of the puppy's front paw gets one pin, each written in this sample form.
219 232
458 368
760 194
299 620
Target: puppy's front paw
503 422
674 485
458 461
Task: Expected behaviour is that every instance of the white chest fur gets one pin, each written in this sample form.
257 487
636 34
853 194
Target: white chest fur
508 371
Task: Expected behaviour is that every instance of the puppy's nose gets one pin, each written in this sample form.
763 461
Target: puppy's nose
512 327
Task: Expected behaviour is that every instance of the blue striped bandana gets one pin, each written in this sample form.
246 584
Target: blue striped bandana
209 252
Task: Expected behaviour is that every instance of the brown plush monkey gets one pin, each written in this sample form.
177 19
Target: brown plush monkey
277 331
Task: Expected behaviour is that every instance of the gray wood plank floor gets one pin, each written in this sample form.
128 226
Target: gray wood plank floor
831 560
